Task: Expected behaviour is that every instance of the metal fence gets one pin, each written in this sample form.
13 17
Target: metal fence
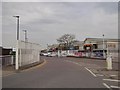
7 60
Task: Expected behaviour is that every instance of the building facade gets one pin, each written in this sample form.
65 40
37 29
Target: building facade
99 47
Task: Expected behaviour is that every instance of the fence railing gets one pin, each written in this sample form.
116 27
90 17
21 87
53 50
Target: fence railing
7 60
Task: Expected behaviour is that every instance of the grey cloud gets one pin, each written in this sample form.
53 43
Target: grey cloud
109 7
46 22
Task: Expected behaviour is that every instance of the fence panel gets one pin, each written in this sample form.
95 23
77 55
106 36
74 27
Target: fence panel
28 53
6 60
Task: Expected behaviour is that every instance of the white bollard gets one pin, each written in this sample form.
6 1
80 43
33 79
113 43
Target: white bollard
109 62
12 60
58 53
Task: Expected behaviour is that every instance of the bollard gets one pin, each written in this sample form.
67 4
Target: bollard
109 62
58 53
12 60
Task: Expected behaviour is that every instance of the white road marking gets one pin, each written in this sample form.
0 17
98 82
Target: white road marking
113 75
106 85
99 75
74 62
112 80
91 72
68 61
114 87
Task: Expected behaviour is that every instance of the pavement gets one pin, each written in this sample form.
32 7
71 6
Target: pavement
8 70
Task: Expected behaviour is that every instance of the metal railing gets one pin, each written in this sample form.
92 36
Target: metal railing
7 60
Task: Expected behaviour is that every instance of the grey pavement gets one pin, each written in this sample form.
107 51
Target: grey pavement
56 73
7 70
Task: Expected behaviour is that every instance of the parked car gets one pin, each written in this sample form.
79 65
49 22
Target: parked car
52 55
64 54
45 54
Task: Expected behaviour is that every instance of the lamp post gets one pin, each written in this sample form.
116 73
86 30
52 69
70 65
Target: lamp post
26 39
103 47
17 50
17 26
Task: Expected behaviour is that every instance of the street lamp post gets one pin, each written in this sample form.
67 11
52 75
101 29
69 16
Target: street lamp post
47 48
103 47
26 39
90 49
17 50
17 26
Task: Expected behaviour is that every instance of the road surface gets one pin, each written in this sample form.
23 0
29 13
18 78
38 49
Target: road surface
55 73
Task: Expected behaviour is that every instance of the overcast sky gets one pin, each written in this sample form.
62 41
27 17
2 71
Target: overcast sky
47 21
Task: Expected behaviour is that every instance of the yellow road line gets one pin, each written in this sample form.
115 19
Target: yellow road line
35 66
27 69
8 74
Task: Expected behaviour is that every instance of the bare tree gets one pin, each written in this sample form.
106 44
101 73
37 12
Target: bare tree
66 39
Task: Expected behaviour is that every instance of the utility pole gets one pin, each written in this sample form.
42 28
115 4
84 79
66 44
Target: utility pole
26 39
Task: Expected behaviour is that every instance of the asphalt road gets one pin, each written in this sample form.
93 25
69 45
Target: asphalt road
55 73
